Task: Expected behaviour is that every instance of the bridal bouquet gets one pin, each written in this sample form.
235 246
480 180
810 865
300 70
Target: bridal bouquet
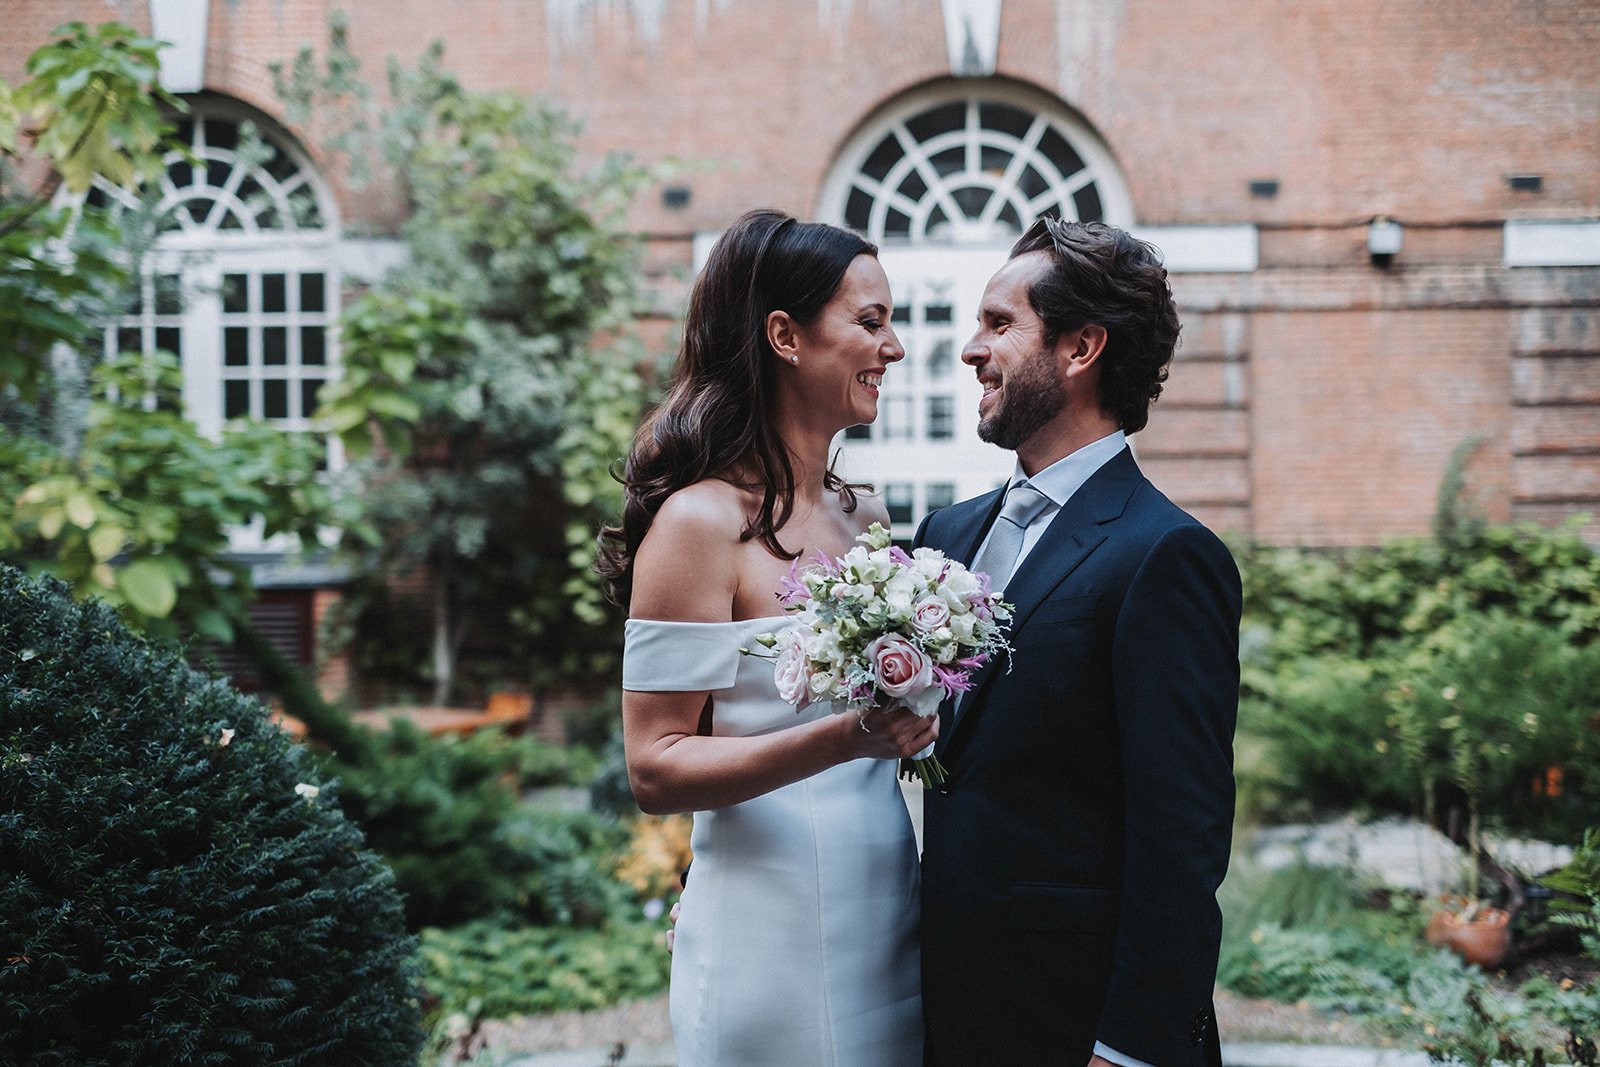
878 627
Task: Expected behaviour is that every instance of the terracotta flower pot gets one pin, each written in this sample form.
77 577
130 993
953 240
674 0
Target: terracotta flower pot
1449 905
1481 936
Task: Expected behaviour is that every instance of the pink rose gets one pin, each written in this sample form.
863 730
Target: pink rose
931 614
791 671
900 667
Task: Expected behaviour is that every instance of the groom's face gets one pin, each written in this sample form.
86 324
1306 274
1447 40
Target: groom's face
1022 384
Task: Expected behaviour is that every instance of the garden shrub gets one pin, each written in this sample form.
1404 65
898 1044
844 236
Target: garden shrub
1331 743
491 969
177 883
447 815
1297 895
1346 657
1330 969
1509 718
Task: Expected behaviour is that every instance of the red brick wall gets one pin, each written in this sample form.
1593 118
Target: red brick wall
1358 412
1315 400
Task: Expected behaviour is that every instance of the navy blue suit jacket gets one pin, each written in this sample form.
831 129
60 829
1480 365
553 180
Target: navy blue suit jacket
1071 861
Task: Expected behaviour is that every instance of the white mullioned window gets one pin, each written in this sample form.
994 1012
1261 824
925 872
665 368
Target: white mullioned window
944 179
240 283
972 162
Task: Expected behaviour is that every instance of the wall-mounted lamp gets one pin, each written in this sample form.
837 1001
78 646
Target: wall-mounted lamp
1264 188
1383 240
1526 183
675 196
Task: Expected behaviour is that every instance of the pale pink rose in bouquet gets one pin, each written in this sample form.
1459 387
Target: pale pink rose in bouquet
902 670
931 614
790 670
879 627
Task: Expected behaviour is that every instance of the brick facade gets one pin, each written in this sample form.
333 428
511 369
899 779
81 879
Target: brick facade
1316 398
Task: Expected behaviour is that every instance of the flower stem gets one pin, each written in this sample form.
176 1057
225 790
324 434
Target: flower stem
931 771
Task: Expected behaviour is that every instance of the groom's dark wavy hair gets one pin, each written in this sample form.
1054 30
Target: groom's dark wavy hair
1105 275
717 417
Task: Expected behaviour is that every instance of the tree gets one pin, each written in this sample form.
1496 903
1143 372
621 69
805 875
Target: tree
488 384
106 485
90 106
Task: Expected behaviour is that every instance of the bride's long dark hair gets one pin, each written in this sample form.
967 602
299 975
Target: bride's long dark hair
717 418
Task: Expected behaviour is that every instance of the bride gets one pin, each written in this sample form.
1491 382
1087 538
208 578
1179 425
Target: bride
797 942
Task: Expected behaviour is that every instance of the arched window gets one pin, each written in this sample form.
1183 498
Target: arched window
972 162
247 182
240 282
944 179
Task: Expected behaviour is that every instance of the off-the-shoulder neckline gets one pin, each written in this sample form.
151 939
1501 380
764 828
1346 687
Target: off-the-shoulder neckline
727 622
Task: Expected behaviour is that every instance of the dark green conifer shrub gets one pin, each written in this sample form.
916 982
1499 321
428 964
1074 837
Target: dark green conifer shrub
446 815
177 885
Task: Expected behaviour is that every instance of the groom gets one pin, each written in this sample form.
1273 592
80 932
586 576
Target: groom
1071 860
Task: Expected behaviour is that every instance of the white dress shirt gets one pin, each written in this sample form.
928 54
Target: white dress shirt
1058 482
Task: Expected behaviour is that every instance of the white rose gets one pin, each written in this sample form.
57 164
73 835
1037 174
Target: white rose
791 671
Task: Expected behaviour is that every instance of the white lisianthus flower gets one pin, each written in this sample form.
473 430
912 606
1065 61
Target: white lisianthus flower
856 564
963 628
822 646
958 585
900 594
306 790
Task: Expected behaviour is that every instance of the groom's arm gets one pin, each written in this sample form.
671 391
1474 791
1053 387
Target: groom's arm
1175 672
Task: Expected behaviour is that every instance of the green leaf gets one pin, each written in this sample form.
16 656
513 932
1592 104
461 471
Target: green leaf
80 510
148 587
215 625
51 520
105 541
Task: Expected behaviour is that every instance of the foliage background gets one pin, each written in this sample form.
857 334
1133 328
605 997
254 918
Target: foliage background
489 383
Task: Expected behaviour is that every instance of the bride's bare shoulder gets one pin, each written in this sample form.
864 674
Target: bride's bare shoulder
707 509
685 567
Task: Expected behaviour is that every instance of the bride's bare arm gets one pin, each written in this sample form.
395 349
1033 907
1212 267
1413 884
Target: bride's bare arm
685 571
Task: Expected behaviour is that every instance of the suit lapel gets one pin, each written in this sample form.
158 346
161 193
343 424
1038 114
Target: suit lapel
964 542
1078 529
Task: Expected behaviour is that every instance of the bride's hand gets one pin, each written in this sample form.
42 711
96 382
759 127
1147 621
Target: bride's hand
890 733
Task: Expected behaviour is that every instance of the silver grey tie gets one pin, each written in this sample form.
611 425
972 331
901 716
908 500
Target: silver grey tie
999 556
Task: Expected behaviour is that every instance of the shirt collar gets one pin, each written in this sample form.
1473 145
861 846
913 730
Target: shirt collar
1065 476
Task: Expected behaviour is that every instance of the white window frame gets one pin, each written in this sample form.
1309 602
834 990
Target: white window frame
1099 166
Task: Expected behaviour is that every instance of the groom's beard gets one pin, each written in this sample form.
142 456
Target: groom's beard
1033 395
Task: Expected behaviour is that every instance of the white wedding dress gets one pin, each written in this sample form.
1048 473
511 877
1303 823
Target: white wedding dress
797 944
